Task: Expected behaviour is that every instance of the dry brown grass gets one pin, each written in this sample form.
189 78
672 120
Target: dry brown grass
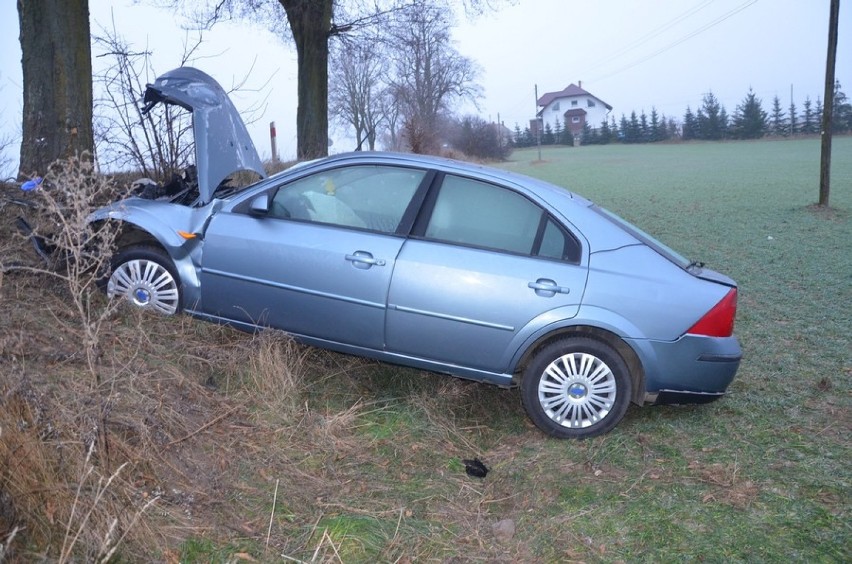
131 458
168 442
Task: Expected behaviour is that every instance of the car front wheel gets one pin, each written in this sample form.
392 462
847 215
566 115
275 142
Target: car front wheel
146 278
576 388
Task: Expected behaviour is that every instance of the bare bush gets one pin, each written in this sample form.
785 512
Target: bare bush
53 490
80 252
477 138
157 143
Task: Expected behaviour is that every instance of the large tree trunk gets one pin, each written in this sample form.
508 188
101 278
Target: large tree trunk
310 23
57 74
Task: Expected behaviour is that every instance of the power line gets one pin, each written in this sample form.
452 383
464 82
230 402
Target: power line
653 33
698 31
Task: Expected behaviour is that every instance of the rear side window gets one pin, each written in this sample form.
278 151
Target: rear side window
474 213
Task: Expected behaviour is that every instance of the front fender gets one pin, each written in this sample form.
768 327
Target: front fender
162 222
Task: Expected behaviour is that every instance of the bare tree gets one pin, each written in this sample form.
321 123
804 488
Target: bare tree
158 143
358 74
311 24
57 78
390 111
428 73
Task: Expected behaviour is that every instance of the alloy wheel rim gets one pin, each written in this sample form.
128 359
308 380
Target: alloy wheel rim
577 390
145 284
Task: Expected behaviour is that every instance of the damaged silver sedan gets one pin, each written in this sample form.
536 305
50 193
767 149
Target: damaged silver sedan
430 263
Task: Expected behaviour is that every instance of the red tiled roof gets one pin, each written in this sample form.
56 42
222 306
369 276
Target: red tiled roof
570 90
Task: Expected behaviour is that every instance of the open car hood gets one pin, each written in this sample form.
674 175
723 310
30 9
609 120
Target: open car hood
222 143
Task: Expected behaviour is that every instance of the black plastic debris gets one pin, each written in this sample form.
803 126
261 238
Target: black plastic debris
475 468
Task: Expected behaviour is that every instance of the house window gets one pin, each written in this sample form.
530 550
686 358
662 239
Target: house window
556 107
575 119
573 102
590 103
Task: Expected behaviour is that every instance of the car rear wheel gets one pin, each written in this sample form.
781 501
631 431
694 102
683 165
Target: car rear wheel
146 278
576 388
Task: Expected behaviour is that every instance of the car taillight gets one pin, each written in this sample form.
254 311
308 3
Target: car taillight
719 321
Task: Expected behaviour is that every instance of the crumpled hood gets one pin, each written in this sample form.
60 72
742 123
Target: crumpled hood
222 143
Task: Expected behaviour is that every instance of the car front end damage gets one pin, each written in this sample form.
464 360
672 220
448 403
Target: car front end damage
177 229
223 145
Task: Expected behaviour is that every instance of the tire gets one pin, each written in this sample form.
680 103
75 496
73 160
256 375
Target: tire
576 388
146 278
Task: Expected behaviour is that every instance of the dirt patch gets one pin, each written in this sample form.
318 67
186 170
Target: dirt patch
828 213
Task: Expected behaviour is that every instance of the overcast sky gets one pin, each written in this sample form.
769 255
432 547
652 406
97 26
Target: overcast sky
633 55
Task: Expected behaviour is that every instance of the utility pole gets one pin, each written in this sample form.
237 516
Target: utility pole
792 123
538 124
828 106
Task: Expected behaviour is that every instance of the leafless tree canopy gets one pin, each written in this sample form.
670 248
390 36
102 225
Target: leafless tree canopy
356 89
403 79
428 72
310 24
157 144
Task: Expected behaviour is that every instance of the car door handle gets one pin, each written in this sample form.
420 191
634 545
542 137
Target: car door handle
547 288
363 259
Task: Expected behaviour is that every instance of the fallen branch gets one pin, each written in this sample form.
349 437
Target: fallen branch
205 426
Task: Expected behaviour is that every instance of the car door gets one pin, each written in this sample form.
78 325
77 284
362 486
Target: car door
483 264
319 262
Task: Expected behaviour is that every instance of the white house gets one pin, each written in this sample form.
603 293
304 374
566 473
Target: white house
572 107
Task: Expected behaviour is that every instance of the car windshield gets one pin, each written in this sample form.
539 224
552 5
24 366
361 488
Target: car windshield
661 248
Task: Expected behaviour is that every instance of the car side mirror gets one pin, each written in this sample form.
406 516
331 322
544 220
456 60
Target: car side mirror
260 205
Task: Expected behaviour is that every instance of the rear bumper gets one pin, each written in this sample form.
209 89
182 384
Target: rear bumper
679 397
692 369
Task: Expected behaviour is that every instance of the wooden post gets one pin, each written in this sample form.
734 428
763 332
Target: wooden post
273 142
828 106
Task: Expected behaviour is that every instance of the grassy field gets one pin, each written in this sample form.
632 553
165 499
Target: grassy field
251 447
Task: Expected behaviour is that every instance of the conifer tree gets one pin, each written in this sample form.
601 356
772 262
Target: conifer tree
606 133
587 136
793 125
644 128
558 136
841 118
710 118
634 129
689 125
671 128
623 129
548 138
528 138
808 117
776 121
749 118
656 134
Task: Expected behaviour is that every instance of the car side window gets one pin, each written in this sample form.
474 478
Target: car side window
471 212
364 196
557 244
483 215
